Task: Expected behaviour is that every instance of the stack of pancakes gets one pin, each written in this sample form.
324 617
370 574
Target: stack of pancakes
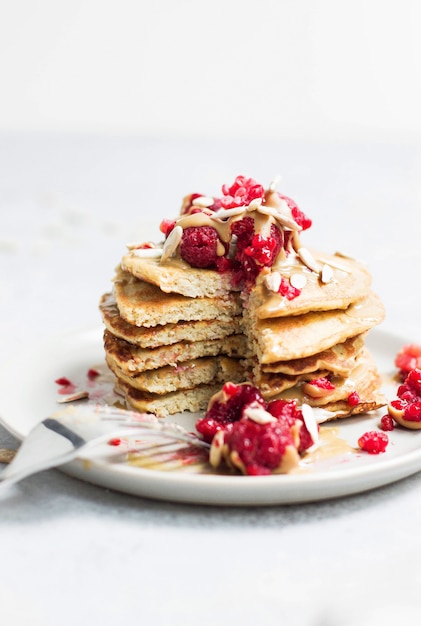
175 333
170 352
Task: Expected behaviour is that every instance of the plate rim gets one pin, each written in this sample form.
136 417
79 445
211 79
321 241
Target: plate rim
226 490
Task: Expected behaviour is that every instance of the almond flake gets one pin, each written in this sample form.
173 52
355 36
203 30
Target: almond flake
147 253
72 397
203 201
310 422
215 452
273 281
221 214
254 204
275 182
308 259
284 220
171 243
327 274
258 415
298 281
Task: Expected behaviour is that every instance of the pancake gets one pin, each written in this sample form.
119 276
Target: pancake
339 359
364 380
350 281
165 334
192 400
173 277
298 337
187 375
132 359
143 304
232 295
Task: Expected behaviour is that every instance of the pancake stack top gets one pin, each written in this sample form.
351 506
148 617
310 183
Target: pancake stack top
231 294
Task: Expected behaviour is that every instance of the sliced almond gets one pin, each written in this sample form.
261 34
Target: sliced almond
327 274
171 243
72 397
203 201
147 253
273 281
298 281
215 453
308 259
222 214
258 415
254 204
310 422
284 220
274 183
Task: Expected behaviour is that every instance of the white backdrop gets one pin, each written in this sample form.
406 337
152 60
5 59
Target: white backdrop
223 67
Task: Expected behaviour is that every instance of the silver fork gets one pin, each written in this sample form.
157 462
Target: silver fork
65 435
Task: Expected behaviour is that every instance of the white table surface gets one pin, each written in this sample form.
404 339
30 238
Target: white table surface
73 553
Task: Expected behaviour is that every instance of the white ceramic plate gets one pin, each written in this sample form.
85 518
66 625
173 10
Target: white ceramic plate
30 396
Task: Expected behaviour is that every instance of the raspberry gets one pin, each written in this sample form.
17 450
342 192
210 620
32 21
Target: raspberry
259 446
373 442
198 246
287 411
287 290
407 359
253 252
227 408
300 217
166 226
387 423
353 398
322 383
241 192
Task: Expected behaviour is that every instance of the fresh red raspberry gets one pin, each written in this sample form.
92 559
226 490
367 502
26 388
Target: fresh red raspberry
353 398
166 226
300 217
241 192
387 423
253 252
322 383
198 246
287 290
373 442
407 359
288 411
259 446
222 413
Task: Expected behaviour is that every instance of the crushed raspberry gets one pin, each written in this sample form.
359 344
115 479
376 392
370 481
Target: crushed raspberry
265 250
373 442
198 246
300 217
287 410
166 226
407 359
259 446
241 192
92 374
353 398
253 252
226 410
287 290
387 423
407 406
322 383
63 381
189 207
67 387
